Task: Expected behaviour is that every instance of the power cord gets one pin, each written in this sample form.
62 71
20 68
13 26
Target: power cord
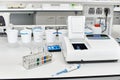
106 11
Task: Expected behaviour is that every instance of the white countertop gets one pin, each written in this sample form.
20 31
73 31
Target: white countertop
11 65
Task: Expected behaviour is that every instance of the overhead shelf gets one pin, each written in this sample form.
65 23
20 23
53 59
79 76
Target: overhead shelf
51 5
41 7
26 10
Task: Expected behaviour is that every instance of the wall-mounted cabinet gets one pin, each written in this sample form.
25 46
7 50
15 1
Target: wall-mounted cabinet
51 18
41 18
22 18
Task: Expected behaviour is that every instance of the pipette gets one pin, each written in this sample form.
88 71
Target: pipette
68 69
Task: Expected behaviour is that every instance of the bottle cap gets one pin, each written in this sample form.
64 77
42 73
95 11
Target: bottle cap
97 25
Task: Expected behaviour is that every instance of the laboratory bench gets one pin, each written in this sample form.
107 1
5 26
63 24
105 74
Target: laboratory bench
51 14
11 65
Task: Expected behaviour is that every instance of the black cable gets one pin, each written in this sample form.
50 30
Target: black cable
106 11
105 25
76 13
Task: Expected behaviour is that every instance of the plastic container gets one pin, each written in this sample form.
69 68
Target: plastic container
12 35
97 29
26 35
38 34
50 36
62 34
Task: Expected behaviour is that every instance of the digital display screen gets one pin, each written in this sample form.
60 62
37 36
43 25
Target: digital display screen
79 46
97 36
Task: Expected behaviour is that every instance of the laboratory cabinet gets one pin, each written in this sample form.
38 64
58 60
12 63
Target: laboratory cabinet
116 18
54 18
24 18
41 18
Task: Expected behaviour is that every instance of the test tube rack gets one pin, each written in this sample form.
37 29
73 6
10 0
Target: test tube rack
35 60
